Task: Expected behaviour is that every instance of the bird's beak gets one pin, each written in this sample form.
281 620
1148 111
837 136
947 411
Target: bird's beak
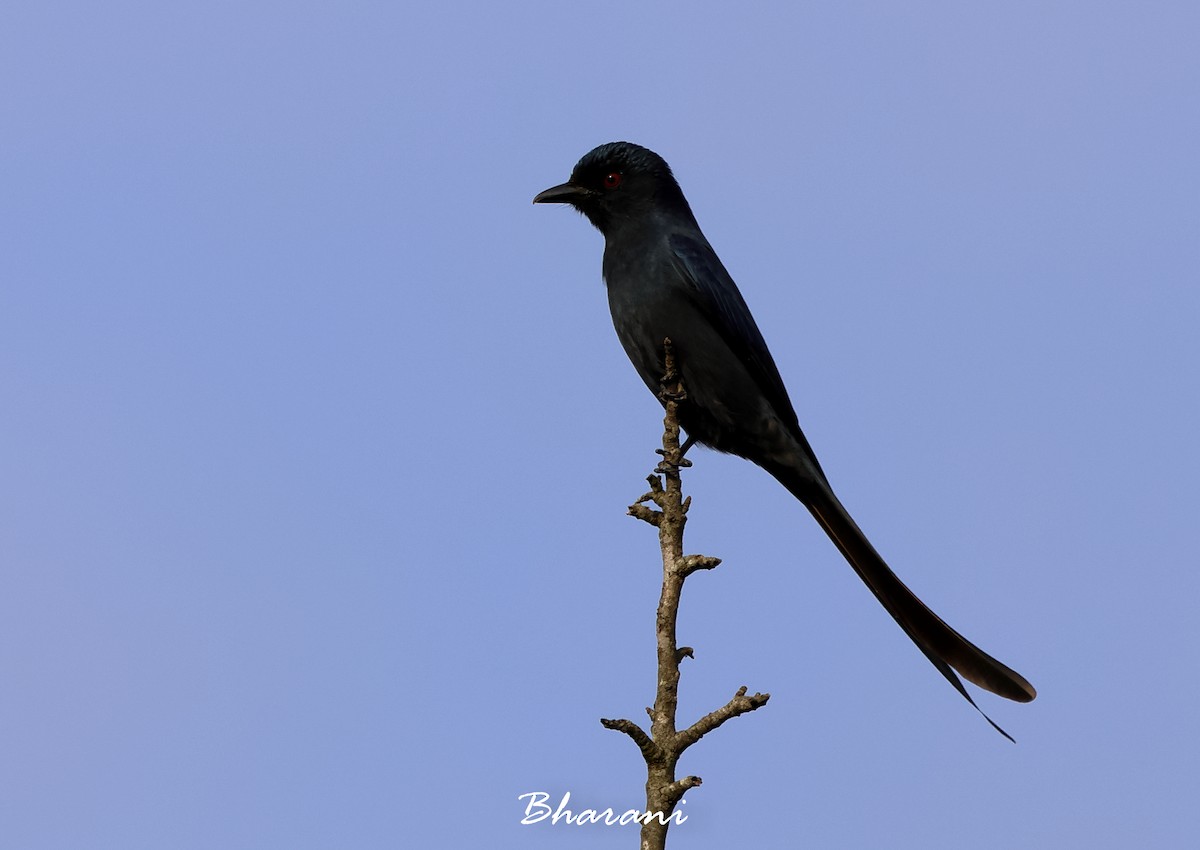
566 193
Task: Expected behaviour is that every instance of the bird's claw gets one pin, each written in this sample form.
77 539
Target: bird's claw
671 464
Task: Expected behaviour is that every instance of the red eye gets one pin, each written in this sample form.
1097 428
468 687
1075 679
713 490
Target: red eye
612 180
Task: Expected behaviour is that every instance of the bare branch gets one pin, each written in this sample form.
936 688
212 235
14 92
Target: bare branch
698 562
739 705
650 750
675 791
662 747
645 514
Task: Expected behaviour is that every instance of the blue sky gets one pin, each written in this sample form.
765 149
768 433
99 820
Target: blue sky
317 439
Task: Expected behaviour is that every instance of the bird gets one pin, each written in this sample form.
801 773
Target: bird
665 281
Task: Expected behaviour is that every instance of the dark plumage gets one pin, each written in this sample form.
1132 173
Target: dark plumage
665 281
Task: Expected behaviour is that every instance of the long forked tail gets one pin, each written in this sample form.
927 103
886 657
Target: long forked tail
946 649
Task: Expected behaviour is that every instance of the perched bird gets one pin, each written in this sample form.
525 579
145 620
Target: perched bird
665 281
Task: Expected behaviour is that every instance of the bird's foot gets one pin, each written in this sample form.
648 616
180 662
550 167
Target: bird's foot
671 390
671 461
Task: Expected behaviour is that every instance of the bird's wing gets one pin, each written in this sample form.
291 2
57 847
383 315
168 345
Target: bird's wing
718 296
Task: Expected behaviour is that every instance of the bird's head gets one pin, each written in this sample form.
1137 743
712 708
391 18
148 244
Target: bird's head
618 182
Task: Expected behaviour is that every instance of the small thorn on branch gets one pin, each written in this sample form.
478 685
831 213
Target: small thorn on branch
675 791
698 562
646 514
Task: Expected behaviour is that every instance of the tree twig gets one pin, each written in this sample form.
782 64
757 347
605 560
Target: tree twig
663 746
